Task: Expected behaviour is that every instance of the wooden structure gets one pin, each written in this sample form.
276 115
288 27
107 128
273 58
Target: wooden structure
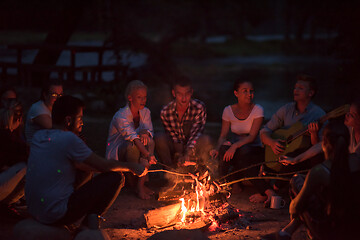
90 73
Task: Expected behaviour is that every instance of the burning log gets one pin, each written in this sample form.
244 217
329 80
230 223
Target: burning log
162 217
201 203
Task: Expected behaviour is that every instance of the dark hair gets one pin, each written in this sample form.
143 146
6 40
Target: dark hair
181 81
47 85
10 112
238 82
66 106
310 80
336 141
3 90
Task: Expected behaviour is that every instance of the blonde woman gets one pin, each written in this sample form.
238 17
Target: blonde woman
131 133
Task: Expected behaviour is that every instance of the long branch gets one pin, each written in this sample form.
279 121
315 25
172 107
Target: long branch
251 178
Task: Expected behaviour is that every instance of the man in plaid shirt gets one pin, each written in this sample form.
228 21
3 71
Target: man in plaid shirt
184 121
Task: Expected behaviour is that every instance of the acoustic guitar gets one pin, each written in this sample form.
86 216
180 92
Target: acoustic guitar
295 138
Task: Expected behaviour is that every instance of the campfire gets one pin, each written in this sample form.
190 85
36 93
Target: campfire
196 201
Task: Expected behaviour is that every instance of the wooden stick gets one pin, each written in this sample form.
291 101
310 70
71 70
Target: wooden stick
175 173
251 178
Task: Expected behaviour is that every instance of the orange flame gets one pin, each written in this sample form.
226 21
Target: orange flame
183 209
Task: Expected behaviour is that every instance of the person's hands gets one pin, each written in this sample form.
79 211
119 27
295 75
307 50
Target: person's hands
285 160
186 159
214 153
277 146
144 138
229 154
313 128
152 159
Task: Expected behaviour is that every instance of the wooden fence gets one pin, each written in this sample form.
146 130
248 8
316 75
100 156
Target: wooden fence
89 73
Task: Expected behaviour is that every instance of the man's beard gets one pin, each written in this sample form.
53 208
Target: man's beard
72 128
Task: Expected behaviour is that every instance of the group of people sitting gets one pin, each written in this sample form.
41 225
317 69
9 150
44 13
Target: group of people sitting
60 186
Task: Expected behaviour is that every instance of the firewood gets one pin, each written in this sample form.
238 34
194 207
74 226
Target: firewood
163 216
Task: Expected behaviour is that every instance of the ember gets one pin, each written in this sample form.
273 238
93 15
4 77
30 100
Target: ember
198 202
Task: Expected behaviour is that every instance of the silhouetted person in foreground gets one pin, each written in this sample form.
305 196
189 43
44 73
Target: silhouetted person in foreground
327 200
56 154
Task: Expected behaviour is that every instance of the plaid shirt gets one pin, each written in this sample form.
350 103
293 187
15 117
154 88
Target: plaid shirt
196 113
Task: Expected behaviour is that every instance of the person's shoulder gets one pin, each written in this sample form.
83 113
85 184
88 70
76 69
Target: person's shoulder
37 105
122 112
285 108
319 171
288 105
71 138
317 108
227 111
146 110
227 108
258 107
198 104
167 107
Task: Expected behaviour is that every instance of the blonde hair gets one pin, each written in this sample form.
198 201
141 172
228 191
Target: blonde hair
133 86
7 114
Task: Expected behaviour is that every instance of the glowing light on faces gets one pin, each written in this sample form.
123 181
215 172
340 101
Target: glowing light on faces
55 91
245 92
182 95
352 117
138 98
302 91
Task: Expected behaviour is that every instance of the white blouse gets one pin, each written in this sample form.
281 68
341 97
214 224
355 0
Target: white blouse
243 126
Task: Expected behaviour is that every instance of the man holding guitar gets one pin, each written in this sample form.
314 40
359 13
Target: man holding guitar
303 111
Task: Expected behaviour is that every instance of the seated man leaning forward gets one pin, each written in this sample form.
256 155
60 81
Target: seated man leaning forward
183 120
55 156
300 110
131 133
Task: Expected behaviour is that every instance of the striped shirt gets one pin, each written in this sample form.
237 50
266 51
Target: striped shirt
195 113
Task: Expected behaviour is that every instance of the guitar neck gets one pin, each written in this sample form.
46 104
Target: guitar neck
335 113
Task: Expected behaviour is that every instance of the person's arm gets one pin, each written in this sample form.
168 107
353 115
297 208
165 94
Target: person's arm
276 122
107 165
147 131
43 120
225 126
311 152
314 179
254 131
276 144
141 147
